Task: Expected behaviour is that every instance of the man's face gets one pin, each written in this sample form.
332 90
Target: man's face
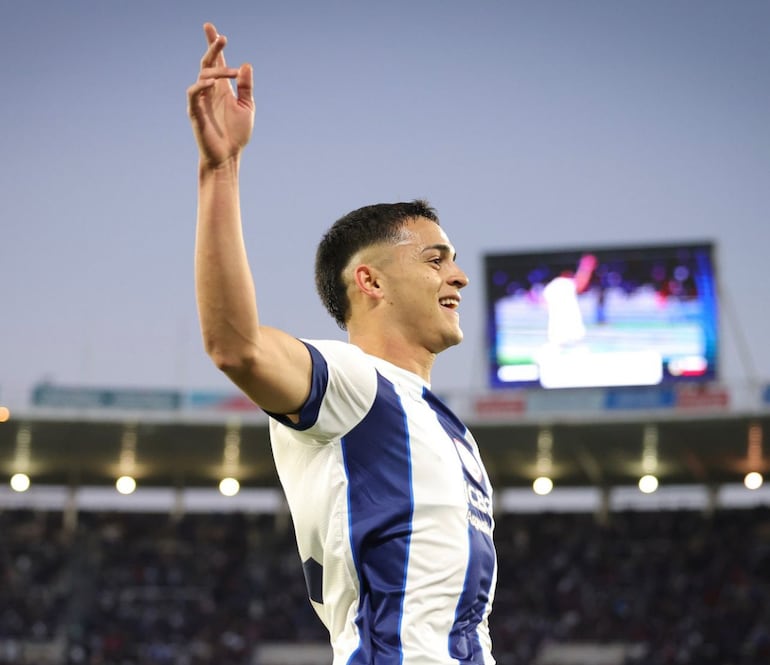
421 284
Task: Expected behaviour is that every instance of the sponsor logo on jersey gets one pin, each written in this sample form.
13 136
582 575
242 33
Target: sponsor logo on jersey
479 504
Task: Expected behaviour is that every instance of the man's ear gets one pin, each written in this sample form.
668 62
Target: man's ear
367 281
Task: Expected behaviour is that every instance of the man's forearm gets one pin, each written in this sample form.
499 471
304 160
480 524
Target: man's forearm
224 284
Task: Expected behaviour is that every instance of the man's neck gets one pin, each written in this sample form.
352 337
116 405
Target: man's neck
396 351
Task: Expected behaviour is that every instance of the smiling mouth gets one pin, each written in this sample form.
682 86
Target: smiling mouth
449 303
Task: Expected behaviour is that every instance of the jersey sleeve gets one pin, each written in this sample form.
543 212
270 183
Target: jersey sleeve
343 388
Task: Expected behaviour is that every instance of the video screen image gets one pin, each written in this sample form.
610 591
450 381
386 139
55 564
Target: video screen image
601 317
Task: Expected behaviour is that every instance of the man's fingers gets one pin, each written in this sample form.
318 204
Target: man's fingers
214 55
194 92
218 73
245 84
199 86
210 31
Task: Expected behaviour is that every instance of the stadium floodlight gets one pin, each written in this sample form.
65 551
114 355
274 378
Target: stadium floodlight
648 483
542 485
754 457
753 480
20 482
229 486
125 485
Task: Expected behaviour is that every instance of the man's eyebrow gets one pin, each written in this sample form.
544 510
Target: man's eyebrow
441 247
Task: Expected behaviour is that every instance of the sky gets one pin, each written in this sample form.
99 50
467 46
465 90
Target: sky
528 125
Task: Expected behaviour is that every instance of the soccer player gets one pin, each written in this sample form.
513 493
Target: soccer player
565 319
391 505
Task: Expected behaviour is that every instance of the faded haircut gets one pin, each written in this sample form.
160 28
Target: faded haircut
364 227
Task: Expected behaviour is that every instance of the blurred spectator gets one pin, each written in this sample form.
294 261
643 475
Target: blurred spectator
149 589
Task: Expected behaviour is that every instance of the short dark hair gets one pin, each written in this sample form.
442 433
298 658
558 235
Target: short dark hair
367 226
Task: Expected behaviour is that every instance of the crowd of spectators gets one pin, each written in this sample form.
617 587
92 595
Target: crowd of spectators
34 584
685 588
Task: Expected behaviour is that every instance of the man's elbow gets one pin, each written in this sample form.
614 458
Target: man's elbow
232 362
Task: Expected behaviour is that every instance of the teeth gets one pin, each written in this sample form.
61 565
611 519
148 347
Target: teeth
449 302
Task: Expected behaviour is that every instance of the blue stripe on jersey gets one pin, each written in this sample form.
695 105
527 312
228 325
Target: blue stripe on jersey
314 579
319 379
380 503
463 640
464 643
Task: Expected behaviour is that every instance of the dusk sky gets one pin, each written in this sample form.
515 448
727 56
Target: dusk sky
528 125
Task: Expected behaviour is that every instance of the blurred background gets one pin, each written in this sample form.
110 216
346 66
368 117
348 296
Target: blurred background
632 519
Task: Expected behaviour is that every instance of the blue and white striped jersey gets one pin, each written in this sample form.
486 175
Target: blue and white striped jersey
392 510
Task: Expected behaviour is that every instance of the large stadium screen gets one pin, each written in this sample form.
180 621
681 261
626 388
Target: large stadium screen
600 317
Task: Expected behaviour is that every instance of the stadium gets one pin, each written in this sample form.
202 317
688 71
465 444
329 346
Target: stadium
601 169
180 567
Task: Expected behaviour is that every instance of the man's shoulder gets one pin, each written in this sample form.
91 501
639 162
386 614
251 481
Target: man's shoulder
341 362
335 349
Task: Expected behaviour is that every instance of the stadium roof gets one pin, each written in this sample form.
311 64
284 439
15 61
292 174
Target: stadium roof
166 449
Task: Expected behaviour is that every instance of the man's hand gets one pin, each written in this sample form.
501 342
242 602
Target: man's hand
222 121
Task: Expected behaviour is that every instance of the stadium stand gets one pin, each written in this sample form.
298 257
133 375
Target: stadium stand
667 587
595 573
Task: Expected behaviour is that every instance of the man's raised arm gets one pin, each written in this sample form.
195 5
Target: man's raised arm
270 366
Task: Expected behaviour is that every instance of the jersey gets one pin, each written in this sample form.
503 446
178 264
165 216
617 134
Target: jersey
392 510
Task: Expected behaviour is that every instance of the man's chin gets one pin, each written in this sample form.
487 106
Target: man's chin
453 339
